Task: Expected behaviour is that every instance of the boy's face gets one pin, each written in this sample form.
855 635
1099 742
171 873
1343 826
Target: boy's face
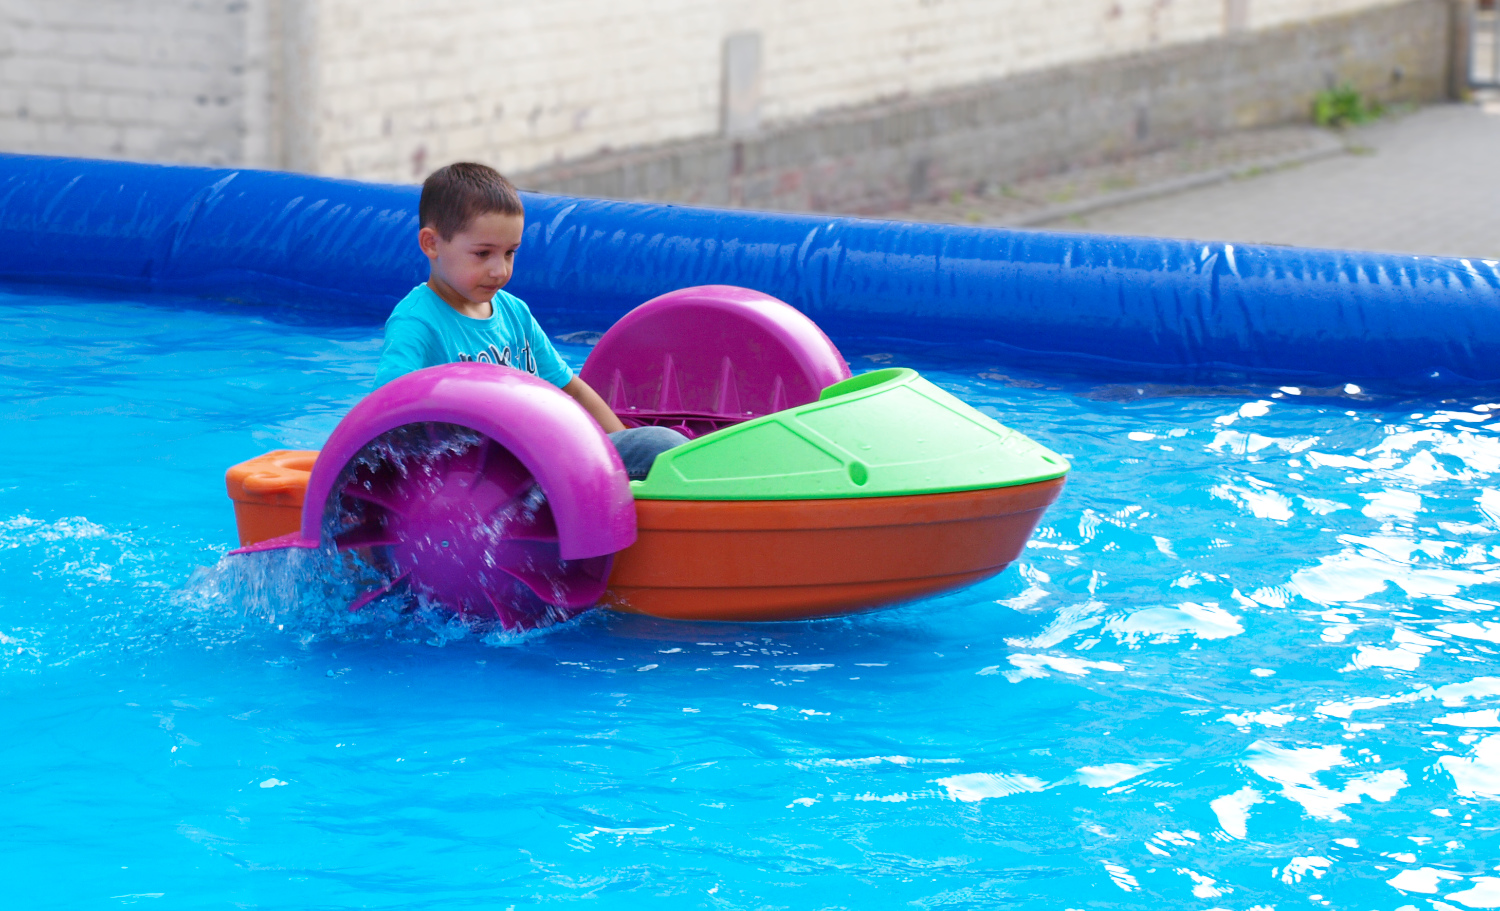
476 262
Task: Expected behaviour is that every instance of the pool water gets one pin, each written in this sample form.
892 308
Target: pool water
1248 661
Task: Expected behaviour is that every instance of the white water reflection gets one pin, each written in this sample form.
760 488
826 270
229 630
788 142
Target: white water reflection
1166 624
1258 498
1423 879
1405 656
1489 504
1368 563
1204 886
1296 769
1393 504
1070 619
1451 695
1033 666
1479 453
1112 773
1485 718
1265 719
977 786
1478 774
1233 810
1312 867
1484 631
1484 894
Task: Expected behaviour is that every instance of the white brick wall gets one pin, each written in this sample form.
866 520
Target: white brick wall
158 81
1271 13
389 89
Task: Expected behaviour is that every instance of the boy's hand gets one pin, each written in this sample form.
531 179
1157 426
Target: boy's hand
585 395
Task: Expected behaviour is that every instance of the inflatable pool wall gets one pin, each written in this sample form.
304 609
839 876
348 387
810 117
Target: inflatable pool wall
1135 308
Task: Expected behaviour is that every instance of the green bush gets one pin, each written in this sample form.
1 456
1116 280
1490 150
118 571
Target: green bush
1343 105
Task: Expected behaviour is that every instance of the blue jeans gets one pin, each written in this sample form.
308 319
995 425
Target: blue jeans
639 447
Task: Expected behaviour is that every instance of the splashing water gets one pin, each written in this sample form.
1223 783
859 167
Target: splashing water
307 593
326 592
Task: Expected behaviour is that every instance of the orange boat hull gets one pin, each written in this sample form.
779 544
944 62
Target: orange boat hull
741 560
267 492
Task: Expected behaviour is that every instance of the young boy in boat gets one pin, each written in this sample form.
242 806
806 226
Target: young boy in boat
472 219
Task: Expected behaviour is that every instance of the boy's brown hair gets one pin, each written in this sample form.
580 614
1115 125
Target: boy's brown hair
454 196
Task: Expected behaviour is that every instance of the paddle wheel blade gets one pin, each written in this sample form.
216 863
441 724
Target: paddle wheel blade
463 522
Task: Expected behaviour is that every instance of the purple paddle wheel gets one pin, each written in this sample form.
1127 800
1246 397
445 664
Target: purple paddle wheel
457 518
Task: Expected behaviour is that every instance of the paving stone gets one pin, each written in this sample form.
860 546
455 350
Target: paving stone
1423 182
1041 200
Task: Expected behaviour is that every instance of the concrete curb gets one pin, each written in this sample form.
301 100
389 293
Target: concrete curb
1168 187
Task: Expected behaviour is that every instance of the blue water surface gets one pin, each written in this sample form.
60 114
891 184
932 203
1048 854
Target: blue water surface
1248 662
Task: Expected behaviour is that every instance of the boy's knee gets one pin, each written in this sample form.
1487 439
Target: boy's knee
639 447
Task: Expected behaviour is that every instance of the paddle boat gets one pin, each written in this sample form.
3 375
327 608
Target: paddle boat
803 492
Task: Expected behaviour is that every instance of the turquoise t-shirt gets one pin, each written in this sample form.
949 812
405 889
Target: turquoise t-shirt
423 331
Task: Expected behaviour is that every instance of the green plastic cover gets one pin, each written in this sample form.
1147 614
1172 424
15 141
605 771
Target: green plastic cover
887 433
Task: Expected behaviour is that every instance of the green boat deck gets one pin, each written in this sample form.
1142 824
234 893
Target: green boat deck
887 433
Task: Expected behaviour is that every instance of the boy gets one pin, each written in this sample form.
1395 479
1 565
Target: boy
472 220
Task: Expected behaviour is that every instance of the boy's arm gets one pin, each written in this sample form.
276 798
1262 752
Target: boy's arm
585 395
550 367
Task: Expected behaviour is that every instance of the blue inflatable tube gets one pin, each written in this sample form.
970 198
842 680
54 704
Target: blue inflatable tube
1131 308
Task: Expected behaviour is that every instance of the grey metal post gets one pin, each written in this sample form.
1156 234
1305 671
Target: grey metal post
1460 48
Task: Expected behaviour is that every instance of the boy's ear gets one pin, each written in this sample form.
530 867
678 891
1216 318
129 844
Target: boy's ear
427 239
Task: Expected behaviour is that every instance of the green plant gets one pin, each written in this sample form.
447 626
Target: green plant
1343 105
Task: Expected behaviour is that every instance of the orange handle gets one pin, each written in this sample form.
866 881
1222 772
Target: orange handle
269 483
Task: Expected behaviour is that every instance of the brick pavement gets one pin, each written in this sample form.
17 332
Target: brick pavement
1049 199
1422 182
